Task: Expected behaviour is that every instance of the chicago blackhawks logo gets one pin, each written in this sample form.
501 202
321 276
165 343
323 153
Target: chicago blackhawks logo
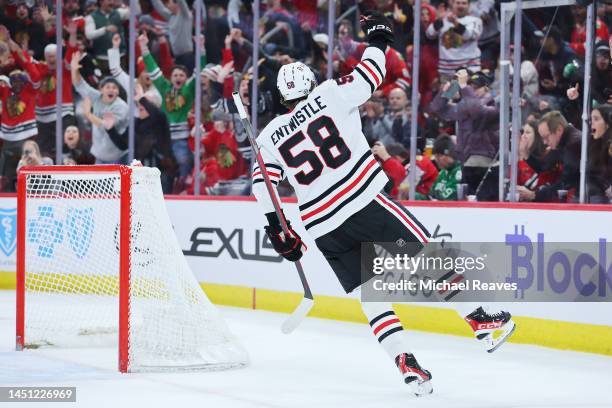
451 39
15 106
174 101
47 85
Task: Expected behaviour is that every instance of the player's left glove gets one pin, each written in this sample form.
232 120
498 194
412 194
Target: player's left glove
377 27
290 247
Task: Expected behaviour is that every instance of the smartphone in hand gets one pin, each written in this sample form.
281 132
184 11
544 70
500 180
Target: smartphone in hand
452 90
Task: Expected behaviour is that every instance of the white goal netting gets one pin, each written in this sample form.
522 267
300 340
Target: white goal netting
72 280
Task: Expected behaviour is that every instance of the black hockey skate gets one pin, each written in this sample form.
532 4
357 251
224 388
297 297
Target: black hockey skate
491 329
414 375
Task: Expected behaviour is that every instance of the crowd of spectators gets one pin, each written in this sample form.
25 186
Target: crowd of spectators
458 114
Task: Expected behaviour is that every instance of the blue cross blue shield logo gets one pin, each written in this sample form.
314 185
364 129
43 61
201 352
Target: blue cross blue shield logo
79 227
46 231
8 230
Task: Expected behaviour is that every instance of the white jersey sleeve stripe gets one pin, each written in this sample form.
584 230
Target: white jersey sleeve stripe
361 83
368 80
371 70
270 165
271 174
275 173
262 180
376 71
376 66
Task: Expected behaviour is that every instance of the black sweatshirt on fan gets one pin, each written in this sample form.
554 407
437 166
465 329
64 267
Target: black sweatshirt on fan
152 137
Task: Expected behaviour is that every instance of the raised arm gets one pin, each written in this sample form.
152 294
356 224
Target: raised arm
161 83
433 29
24 61
227 63
114 63
471 30
442 107
191 81
71 46
82 87
166 62
91 32
161 9
184 8
124 11
358 86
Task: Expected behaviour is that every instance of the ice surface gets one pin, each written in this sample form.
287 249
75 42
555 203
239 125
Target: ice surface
322 364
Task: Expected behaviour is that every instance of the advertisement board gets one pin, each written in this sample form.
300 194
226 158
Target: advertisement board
224 242
8 233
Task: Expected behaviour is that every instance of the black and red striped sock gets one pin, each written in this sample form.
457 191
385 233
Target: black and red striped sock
387 327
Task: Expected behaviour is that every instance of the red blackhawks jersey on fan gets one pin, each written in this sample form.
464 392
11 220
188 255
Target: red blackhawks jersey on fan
45 103
320 148
18 119
397 75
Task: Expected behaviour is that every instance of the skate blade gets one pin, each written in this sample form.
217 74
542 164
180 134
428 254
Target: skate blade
495 343
420 388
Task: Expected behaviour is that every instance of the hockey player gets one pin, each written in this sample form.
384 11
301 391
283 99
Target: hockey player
319 147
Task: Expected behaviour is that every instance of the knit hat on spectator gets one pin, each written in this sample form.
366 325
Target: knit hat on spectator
50 49
146 20
109 80
444 145
18 75
211 71
602 47
219 116
321 38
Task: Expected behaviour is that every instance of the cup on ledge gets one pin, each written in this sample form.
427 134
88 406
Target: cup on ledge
461 190
562 194
471 198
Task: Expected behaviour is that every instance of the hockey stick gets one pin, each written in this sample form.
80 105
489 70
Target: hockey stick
305 305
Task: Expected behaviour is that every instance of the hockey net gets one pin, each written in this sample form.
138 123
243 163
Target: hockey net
99 264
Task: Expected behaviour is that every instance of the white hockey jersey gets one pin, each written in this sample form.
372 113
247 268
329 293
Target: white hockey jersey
320 148
457 50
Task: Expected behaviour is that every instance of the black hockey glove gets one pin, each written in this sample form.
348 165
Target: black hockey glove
378 28
290 247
